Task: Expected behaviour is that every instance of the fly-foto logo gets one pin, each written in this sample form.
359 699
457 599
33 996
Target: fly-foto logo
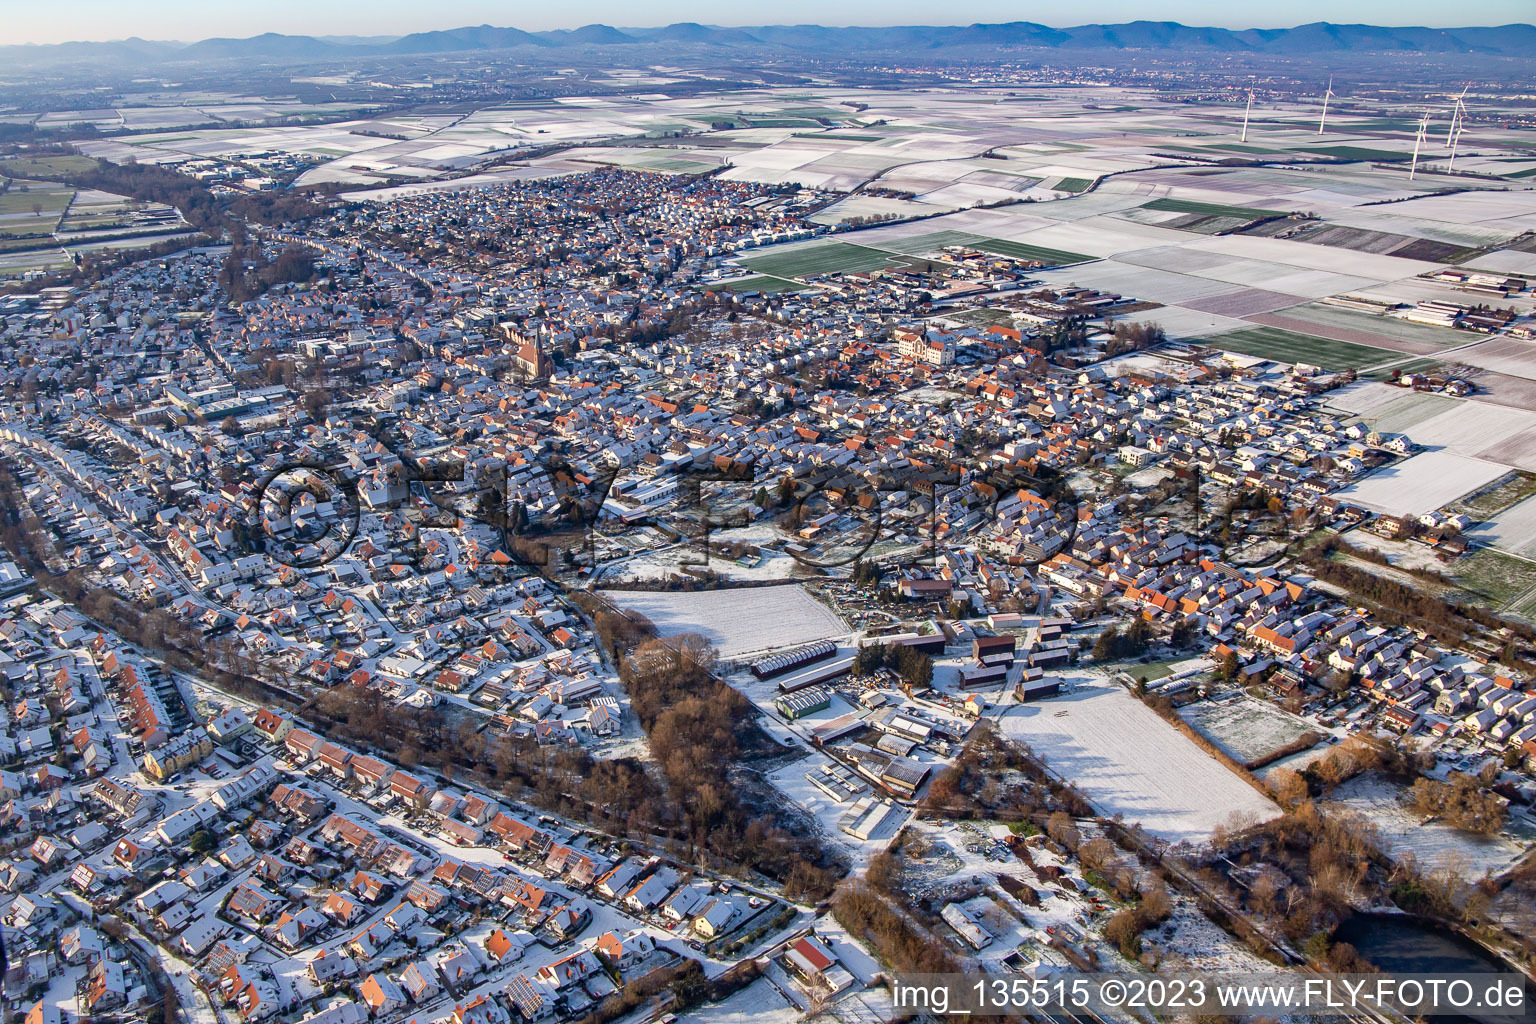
430 518
308 513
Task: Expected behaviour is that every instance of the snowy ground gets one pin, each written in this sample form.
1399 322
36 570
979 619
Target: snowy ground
1129 761
1421 483
660 565
1246 728
791 781
1433 845
1149 477
738 622
758 1003
1514 529
1400 553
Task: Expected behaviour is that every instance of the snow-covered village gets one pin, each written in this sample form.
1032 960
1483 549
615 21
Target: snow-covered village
701 566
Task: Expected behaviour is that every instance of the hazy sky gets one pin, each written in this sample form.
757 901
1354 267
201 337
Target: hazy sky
28 21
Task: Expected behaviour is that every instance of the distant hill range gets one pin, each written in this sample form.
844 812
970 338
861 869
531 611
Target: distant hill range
1162 36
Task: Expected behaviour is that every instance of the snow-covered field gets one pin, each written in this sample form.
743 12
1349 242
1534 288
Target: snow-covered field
737 622
1129 761
1246 728
758 1003
1472 428
1363 397
1149 477
1514 529
1421 483
1433 845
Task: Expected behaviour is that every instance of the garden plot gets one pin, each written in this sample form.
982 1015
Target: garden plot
1129 761
738 622
1421 483
1514 529
1433 844
1250 730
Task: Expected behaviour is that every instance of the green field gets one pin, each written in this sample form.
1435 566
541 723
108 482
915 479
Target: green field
17 264
826 258
95 221
1411 366
1496 576
763 283
1211 209
28 243
35 210
1290 347
1512 487
1358 153
936 240
1151 671
1073 184
1387 326
933 242
45 166
1025 251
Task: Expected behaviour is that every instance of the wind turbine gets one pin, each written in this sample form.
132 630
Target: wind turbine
1326 97
1246 111
1457 110
1418 140
1458 122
